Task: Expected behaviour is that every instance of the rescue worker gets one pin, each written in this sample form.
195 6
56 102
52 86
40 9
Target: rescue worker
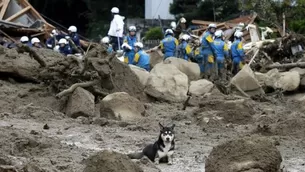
73 35
116 29
54 38
36 42
237 53
141 59
207 50
221 52
64 47
25 41
106 41
128 45
169 44
184 48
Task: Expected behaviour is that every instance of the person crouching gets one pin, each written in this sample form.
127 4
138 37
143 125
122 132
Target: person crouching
64 47
141 59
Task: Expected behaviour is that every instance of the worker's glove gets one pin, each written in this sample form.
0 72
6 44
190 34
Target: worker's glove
125 45
67 37
49 45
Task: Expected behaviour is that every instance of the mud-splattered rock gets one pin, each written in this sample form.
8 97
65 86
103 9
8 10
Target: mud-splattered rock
81 103
191 69
200 87
167 83
299 70
110 162
246 154
261 77
5 168
245 80
121 106
142 74
287 81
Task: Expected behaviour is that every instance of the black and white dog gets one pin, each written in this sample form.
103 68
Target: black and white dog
162 150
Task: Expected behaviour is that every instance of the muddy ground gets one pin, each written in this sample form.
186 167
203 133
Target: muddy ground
34 131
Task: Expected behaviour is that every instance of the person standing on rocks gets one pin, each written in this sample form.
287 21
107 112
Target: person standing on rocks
207 49
141 58
221 51
128 45
106 41
238 53
169 44
116 29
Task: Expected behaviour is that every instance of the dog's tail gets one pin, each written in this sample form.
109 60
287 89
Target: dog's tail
137 155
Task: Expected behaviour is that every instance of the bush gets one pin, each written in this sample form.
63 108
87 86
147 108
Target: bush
154 33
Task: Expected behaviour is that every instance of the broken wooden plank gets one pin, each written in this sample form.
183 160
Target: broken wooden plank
4 8
20 13
12 39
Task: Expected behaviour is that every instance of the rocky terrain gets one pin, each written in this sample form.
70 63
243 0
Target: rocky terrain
47 126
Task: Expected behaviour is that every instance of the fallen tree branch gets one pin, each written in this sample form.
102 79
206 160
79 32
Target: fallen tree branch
85 60
74 86
287 65
23 48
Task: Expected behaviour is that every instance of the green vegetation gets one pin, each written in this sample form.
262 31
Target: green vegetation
154 33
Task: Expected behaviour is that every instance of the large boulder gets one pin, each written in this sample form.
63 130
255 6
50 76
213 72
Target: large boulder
246 81
80 103
200 87
141 73
251 154
287 81
108 161
191 69
121 106
168 83
301 71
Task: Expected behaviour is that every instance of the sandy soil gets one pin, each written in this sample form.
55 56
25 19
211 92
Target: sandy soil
33 130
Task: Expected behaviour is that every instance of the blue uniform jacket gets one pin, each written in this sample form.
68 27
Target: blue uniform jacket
75 38
129 54
169 46
65 50
184 50
142 60
221 49
237 50
207 44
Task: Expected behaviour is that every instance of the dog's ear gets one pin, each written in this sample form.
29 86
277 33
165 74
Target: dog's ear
161 126
173 126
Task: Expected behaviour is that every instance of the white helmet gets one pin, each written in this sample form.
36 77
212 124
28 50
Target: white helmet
115 10
238 34
132 29
169 31
212 25
72 29
105 40
54 32
219 33
62 41
182 20
24 39
35 40
185 37
139 44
